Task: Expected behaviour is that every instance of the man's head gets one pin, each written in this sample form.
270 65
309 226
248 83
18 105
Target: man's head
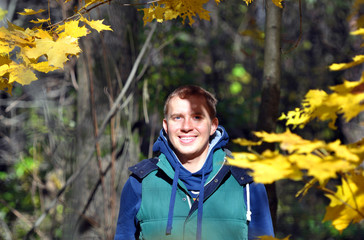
190 120
192 90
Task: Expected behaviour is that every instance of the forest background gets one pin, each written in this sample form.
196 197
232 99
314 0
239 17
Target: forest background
48 127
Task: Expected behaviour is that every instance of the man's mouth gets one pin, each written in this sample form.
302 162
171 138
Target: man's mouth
187 139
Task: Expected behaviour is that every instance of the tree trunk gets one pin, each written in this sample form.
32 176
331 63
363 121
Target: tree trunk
268 111
103 67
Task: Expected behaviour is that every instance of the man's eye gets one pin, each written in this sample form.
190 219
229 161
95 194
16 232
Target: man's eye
197 117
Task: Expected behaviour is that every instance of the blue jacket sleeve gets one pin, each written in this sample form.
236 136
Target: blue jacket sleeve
131 197
261 221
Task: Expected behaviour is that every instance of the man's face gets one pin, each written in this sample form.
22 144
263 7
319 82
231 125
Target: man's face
189 127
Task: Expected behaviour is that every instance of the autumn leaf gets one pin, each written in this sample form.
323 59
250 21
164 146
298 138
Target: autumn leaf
278 3
97 25
18 73
168 10
245 142
317 159
360 31
267 168
30 11
345 100
359 59
40 20
72 29
43 67
57 51
248 1
347 205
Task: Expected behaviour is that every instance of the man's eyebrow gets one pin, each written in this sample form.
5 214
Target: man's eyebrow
175 115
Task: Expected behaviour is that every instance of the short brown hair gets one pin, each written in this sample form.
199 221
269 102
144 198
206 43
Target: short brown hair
192 90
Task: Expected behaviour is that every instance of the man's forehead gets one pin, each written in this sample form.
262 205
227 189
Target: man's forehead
195 103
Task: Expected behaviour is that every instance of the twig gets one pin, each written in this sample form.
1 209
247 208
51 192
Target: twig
116 106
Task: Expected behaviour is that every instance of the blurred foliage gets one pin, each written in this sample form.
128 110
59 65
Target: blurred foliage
225 56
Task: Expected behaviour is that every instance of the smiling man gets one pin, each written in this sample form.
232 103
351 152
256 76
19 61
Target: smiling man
188 191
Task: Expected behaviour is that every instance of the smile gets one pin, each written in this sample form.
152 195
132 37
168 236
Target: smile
187 139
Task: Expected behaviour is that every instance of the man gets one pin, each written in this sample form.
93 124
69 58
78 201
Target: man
188 191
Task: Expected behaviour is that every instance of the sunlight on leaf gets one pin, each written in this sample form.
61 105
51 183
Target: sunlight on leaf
72 29
167 10
341 66
97 25
40 20
278 3
347 205
56 51
315 158
27 11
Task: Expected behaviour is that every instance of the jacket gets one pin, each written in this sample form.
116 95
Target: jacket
233 206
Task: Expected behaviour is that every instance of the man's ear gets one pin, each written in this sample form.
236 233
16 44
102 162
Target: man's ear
165 125
214 125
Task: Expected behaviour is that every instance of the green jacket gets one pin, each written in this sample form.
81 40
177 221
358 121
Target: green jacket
224 210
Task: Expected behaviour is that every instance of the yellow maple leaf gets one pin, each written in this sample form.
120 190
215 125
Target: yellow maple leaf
14 37
40 20
278 3
316 158
18 73
167 10
57 52
5 47
359 59
96 24
347 86
42 67
22 75
72 29
360 31
4 58
43 34
347 205
267 168
28 11
245 142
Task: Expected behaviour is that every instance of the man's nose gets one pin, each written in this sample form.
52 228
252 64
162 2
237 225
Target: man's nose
187 124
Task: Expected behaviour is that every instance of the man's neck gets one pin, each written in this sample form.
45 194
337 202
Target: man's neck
195 164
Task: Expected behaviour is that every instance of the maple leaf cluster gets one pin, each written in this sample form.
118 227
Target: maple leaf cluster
23 52
316 160
164 10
